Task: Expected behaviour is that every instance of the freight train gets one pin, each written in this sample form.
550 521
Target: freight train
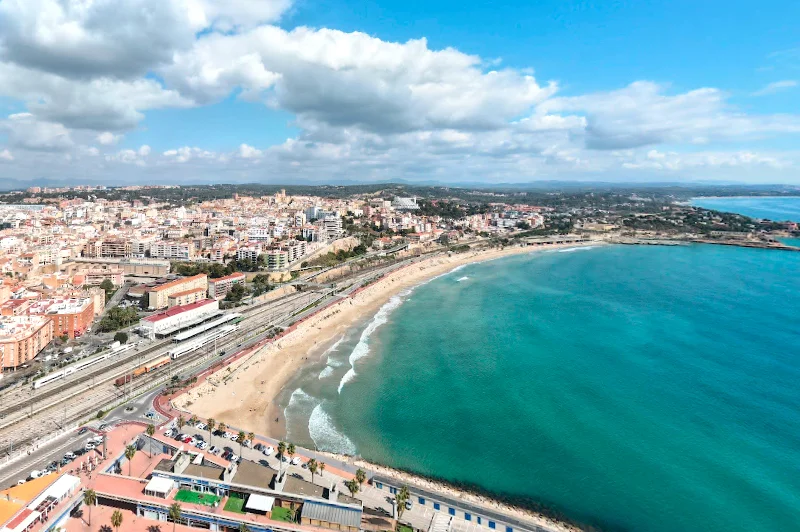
141 370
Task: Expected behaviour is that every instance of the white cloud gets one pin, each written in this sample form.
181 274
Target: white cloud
249 152
6 155
775 87
144 150
186 153
25 131
108 138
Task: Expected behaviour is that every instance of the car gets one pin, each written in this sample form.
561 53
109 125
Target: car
65 461
201 426
98 440
235 458
187 439
259 447
169 433
246 443
36 473
80 452
226 455
228 435
213 449
268 450
296 460
102 427
181 436
90 446
70 456
201 444
408 505
191 441
82 431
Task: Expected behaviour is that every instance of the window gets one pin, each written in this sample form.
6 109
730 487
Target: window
421 500
509 529
491 524
379 485
467 516
479 519
451 511
392 490
436 506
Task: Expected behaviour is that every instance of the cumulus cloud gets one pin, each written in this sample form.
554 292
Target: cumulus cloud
775 87
6 155
249 152
25 131
107 138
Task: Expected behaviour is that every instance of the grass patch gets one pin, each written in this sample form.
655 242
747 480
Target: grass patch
404 528
194 497
235 503
282 514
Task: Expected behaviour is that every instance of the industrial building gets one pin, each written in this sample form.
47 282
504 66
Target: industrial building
179 317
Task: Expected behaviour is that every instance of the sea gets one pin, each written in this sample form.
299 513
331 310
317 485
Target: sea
621 387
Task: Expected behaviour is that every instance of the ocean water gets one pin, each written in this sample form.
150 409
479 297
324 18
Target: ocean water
773 208
628 388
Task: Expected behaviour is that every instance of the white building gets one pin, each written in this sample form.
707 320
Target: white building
178 317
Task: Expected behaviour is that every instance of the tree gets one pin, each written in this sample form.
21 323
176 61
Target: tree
352 486
244 528
151 429
290 450
107 285
181 422
251 437
361 476
281 452
222 427
193 420
130 452
174 514
312 467
90 499
401 499
321 468
240 440
116 519
210 424
121 337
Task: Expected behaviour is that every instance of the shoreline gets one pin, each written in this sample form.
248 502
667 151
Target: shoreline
246 393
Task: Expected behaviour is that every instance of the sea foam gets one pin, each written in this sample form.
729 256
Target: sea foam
324 433
570 250
300 405
362 347
465 278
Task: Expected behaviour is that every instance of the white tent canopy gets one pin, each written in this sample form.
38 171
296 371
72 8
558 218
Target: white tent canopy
260 503
159 487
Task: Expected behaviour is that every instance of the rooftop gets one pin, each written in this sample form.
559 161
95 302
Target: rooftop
178 309
178 282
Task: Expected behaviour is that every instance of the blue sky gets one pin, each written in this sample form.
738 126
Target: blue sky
245 90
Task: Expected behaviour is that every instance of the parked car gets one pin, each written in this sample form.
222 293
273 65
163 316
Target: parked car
226 455
408 505
268 450
214 449
90 446
235 458
296 460
36 473
70 456
201 426
102 427
82 431
97 440
259 447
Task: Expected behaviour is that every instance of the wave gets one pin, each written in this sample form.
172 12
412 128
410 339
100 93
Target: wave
570 250
300 405
465 278
324 433
325 373
362 347
333 348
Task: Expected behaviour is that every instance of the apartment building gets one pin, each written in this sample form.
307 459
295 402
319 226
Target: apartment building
186 297
158 296
277 259
219 288
22 338
170 250
71 317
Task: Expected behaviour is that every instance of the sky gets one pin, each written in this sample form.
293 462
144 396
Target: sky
445 91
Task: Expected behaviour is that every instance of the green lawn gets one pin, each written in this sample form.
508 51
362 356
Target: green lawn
404 528
282 514
194 497
235 503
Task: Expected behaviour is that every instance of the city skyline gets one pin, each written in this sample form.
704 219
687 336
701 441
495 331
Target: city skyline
206 91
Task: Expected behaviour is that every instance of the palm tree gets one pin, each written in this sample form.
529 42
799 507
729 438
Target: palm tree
281 451
240 440
90 499
352 486
211 424
361 476
181 422
174 514
401 499
312 466
116 519
193 420
252 438
222 427
290 451
321 468
244 528
151 429
130 452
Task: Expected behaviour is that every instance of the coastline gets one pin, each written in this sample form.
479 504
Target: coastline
245 394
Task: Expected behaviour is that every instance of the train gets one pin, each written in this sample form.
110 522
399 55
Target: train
81 365
201 342
141 370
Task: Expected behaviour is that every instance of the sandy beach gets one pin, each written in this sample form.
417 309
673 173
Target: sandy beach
244 394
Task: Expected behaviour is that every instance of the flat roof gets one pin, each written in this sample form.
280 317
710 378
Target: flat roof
178 282
204 471
160 485
230 277
298 486
178 309
259 503
330 513
252 474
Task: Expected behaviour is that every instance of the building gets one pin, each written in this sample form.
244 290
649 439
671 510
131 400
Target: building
331 226
71 317
219 288
186 297
158 296
22 338
166 249
177 318
115 248
277 259
295 249
250 253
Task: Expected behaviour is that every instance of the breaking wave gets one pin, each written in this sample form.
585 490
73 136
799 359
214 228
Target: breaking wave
325 435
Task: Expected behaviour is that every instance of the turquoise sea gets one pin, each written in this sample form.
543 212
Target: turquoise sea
628 388
778 209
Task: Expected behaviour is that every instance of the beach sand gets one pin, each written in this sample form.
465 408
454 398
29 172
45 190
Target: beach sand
245 393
